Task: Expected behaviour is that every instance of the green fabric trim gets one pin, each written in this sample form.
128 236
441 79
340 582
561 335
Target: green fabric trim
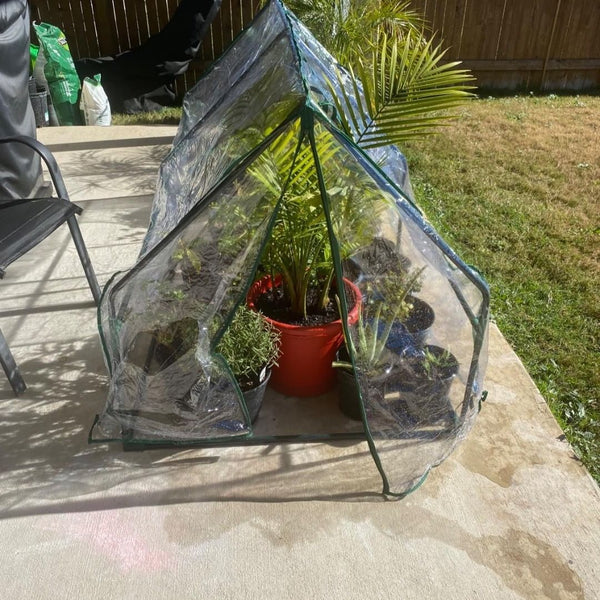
337 263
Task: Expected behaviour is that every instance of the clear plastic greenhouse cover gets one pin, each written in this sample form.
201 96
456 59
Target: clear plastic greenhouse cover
263 197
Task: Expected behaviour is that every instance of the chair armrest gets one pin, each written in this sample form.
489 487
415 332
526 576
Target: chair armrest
47 157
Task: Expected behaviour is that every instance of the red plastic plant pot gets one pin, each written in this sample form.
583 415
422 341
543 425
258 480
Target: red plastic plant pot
307 352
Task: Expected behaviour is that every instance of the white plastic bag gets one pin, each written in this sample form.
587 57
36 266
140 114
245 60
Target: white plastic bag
94 102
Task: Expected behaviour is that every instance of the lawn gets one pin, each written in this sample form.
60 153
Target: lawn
513 184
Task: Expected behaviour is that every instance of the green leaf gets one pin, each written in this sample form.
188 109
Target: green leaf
406 92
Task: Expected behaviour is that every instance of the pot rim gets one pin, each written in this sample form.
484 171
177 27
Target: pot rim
254 292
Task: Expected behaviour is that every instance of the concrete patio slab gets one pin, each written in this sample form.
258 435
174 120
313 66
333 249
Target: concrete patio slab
511 514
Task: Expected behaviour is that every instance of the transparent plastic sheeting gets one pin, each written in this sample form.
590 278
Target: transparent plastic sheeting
416 355
322 75
252 88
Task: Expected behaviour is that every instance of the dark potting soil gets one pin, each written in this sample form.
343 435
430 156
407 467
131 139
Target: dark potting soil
275 305
421 316
249 382
376 260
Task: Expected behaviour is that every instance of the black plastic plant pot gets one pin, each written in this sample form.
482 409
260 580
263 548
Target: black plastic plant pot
348 394
153 356
354 271
420 320
412 334
254 397
424 392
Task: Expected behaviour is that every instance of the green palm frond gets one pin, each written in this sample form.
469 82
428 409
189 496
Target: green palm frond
404 89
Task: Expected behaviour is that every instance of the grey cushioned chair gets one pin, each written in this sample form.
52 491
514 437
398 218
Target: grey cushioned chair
24 223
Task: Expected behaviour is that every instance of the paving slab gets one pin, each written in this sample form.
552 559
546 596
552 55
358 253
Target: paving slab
511 514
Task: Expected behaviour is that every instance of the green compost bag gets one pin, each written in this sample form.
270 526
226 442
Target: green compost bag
63 80
33 54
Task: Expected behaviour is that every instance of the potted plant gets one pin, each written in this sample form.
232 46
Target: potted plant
198 265
425 384
171 332
250 345
400 101
376 263
374 362
414 329
308 344
387 302
296 286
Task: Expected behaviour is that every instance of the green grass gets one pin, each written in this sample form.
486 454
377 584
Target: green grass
514 186
166 116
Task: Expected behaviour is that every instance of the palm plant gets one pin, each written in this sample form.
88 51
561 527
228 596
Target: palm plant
298 248
393 90
343 26
298 242
406 87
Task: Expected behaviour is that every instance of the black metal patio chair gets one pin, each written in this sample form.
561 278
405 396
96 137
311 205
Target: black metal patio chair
24 223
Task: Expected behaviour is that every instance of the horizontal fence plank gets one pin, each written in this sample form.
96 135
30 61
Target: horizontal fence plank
535 64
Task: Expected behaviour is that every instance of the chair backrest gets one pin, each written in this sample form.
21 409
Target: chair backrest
25 222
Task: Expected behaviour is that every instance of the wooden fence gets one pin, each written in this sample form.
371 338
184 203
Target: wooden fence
521 44
508 44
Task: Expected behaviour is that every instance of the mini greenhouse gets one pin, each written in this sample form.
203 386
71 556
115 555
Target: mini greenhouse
266 210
